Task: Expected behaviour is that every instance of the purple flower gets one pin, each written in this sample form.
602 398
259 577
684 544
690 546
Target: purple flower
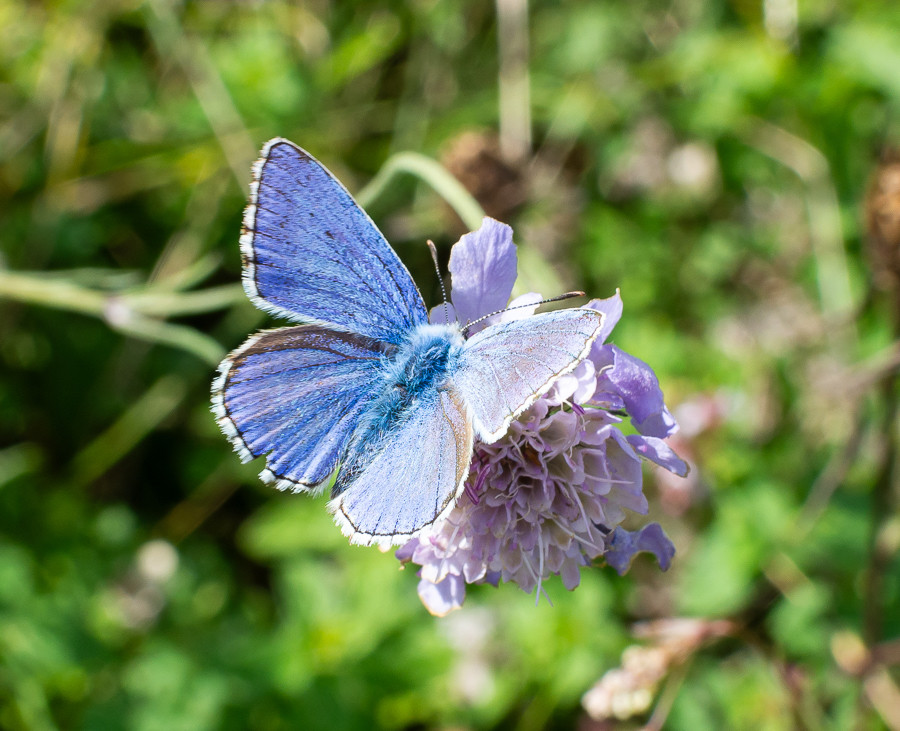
549 496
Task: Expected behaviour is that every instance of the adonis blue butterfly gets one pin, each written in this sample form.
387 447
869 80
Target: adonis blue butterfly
364 384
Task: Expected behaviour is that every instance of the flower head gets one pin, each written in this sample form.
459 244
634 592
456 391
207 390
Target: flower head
548 497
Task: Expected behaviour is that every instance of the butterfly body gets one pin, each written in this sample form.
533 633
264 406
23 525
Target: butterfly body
364 384
426 358
418 369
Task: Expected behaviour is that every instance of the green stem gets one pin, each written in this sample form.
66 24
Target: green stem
136 313
142 417
167 333
171 304
189 276
48 292
435 175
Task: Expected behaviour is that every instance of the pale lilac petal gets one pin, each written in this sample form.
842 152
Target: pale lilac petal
656 450
404 554
625 544
570 574
626 479
483 270
563 389
525 305
474 571
636 383
576 387
442 598
597 425
587 382
442 314
609 402
612 308
658 424
434 572
559 431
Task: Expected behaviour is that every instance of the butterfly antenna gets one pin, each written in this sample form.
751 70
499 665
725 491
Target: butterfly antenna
566 296
433 249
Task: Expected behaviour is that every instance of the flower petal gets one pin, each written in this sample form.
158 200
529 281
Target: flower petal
612 308
525 305
633 380
571 576
483 270
625 544
442 314
656 450
442 598
405 553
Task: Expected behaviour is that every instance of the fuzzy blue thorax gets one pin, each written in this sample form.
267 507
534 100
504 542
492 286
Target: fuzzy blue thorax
416 370
423 360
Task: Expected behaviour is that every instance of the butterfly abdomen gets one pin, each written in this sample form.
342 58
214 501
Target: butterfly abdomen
415 371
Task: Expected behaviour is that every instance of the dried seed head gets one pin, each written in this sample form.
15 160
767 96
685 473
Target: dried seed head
882 219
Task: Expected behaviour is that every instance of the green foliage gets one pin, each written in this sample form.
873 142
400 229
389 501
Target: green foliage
708 158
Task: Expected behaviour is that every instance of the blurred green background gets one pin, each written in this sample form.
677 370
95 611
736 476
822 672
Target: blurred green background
711 159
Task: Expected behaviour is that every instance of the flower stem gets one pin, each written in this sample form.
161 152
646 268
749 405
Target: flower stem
59 293
137 312
144 415
177 336
435 175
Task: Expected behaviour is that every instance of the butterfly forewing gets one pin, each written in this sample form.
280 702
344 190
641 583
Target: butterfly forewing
311 254
414 479
295 395
507 367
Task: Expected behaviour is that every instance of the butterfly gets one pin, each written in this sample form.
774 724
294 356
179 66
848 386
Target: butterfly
363 383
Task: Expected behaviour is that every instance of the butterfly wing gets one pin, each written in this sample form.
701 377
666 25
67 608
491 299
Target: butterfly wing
295 395
506 367
414 479
311 254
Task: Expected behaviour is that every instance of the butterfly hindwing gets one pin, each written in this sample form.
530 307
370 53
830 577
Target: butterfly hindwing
311 254
506 367
414 479
295 395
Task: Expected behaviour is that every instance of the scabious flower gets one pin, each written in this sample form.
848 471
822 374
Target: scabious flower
548 497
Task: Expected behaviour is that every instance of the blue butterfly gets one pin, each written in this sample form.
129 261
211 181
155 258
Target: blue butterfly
365 384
